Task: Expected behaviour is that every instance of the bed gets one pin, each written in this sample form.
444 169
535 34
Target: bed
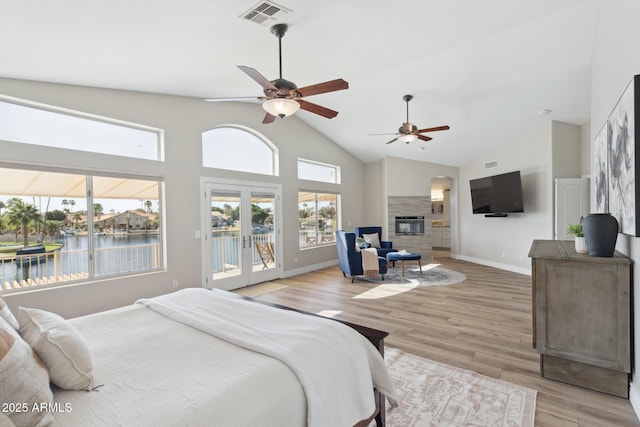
198 357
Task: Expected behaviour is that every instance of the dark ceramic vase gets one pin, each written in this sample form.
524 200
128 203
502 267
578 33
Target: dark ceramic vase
600 232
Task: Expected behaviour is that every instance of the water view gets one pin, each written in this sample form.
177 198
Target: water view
114 254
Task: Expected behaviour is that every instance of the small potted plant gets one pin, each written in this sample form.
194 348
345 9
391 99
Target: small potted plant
581 244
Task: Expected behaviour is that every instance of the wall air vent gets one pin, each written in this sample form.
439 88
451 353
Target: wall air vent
264 12
491 164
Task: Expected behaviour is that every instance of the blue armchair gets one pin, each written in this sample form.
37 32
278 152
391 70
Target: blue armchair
385 247
350 260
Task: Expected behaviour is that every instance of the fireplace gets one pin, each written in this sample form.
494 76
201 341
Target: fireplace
409 225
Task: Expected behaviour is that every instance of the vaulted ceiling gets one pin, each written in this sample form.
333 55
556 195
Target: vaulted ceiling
488 68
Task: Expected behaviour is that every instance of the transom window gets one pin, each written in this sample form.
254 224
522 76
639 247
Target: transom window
77 131
316 171
238 149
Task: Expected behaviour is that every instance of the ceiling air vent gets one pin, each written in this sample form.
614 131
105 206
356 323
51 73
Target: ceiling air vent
264 12
491 165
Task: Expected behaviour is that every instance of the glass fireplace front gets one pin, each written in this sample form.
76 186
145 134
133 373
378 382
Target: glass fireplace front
409 225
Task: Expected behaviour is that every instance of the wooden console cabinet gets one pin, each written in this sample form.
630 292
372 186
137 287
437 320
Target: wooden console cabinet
581 316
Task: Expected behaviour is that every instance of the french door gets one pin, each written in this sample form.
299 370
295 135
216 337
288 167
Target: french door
241 234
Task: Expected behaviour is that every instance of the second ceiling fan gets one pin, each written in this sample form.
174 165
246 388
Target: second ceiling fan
282 97
409 132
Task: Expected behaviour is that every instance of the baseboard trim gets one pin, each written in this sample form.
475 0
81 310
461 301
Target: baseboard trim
501 266
634 398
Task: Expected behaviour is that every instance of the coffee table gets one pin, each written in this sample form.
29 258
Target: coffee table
404 256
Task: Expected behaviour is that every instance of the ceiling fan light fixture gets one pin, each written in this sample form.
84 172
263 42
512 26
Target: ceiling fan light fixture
280 107
407 138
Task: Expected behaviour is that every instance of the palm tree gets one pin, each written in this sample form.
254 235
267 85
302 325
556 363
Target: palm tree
97 213
97 210
112 222
77 217
148 205
72 204
22 214
65 203
52 227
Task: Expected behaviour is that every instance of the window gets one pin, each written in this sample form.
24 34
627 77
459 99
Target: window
317 213
238 149
315 171
77 131
76 227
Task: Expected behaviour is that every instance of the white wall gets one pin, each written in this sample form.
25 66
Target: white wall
505 242
585 150
565 148
183 119
616 59
375 198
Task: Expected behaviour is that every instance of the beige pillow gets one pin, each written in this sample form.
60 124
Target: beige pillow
372 239
7 315
25 382
60 346
5 421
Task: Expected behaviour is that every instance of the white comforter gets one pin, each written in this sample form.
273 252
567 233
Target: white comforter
336 366
156 372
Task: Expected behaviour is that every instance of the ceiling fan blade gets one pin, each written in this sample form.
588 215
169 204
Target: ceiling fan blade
235 98
392 140
433 129
259 78
268 118
424 138
317 109
330 86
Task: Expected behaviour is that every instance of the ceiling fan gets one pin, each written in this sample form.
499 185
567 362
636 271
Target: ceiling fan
409 132
282 97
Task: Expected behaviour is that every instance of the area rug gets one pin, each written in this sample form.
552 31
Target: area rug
431 276
435 394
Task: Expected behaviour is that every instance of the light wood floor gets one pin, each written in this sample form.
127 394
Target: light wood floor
482 324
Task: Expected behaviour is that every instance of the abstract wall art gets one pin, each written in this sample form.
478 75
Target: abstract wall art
623 155
600 169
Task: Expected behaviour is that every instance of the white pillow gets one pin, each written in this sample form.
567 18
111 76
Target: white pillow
60 346
372 239
7 315
25 382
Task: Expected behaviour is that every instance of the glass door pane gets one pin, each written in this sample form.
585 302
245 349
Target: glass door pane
263 231
226 234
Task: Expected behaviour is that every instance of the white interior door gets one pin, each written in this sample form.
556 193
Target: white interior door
241 234
572 203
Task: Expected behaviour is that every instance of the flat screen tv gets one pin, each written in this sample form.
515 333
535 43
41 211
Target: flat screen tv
497 195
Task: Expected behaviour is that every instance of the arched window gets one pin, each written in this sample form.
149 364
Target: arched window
239 149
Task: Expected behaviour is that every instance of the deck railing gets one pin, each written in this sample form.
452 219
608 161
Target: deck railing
69 266
66 266
226 256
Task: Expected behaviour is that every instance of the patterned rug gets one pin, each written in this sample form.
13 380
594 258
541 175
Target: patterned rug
435 394
431 276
